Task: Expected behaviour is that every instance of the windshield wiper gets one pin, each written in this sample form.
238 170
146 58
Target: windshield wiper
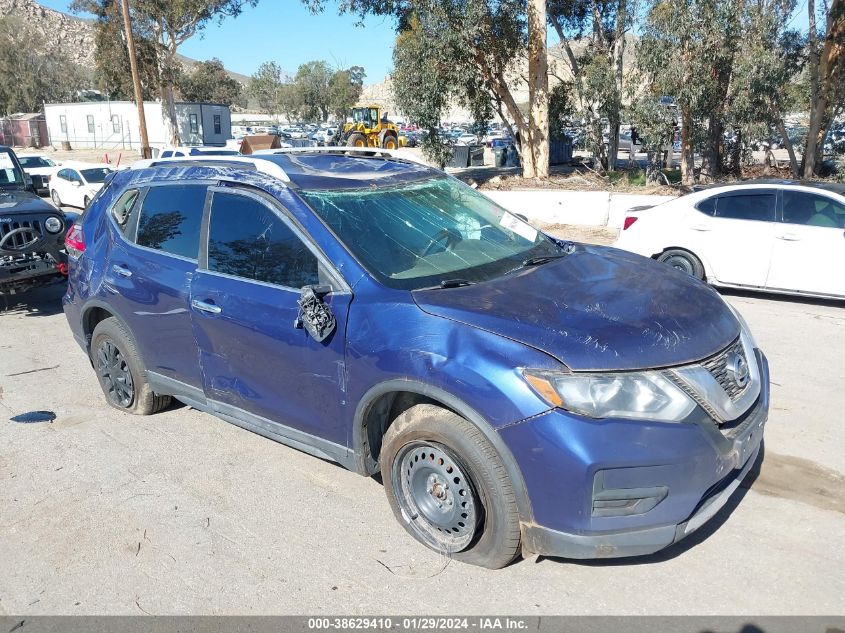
542 259
455 283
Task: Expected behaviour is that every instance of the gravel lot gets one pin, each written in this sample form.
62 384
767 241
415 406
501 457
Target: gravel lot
182 513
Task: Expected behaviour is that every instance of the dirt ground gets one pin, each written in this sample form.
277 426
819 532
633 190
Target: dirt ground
181 513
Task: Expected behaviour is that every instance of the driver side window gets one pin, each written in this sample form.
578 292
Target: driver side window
246 238
810 209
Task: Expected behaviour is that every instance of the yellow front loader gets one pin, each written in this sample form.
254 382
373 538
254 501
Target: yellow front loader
369 129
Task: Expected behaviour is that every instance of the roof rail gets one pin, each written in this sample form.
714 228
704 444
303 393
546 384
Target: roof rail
329 149
264 166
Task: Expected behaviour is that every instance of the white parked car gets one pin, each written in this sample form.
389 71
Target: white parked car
773 236
40 168
206 150
76 185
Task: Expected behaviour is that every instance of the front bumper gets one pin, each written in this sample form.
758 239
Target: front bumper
568 462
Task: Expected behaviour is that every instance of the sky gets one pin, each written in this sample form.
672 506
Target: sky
284 31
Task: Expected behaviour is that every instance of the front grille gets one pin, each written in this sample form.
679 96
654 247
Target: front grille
22 239
718 366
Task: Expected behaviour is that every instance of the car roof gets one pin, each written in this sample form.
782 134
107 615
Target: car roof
833 187
323 168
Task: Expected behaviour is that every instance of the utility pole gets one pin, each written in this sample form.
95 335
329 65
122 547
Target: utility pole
146 152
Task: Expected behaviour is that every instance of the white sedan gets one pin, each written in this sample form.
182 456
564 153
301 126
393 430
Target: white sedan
773 236
76 185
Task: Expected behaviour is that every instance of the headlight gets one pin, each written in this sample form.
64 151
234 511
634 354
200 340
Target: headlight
647 395
53 224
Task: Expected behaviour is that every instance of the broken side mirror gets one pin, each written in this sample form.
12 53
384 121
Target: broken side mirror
314 315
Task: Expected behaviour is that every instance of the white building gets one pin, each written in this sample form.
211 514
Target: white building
114 124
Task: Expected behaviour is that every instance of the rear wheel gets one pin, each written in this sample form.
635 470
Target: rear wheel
120 370
683 261
356 139
448 487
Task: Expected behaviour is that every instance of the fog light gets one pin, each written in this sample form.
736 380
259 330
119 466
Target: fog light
53 224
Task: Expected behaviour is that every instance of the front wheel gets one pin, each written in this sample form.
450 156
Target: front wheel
85 202
57 201
684 261
448 487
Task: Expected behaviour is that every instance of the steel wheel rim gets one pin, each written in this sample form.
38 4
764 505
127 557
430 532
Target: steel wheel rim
55 197
435 495
680 263
115 375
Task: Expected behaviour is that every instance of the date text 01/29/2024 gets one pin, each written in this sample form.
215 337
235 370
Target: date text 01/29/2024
418 623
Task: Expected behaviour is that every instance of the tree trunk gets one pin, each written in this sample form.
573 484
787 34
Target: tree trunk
687 153
613 141
538 92
711 160
793 162
618 53
808 160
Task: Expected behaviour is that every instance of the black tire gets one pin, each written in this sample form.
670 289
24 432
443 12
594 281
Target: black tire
57 201
485 529
390 142
120 371
356 139
683 261
85 202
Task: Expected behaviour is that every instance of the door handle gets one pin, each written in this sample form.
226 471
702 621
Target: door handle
121 270
205 306
789 237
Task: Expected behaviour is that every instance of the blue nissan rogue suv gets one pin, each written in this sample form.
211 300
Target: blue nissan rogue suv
516 392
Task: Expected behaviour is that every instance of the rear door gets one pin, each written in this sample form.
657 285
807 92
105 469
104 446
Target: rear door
149 272
254 355
809 245
734 231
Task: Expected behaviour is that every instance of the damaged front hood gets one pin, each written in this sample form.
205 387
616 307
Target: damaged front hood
596 309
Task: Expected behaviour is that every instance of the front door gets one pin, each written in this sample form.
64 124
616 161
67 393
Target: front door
255 357
809 249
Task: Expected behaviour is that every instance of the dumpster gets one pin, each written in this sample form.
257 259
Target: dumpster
476 155
259 141
460 156
560 151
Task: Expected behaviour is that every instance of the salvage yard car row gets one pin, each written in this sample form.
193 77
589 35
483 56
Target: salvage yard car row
517 392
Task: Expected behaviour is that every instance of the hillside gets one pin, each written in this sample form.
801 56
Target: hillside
70 36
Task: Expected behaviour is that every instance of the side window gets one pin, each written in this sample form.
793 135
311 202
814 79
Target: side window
123 208
170 219
811 209
217 125
63 174
74 176
707 206
195 126
747 206
166 154
247 239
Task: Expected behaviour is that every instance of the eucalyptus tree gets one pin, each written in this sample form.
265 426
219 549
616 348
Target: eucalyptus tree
474 49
